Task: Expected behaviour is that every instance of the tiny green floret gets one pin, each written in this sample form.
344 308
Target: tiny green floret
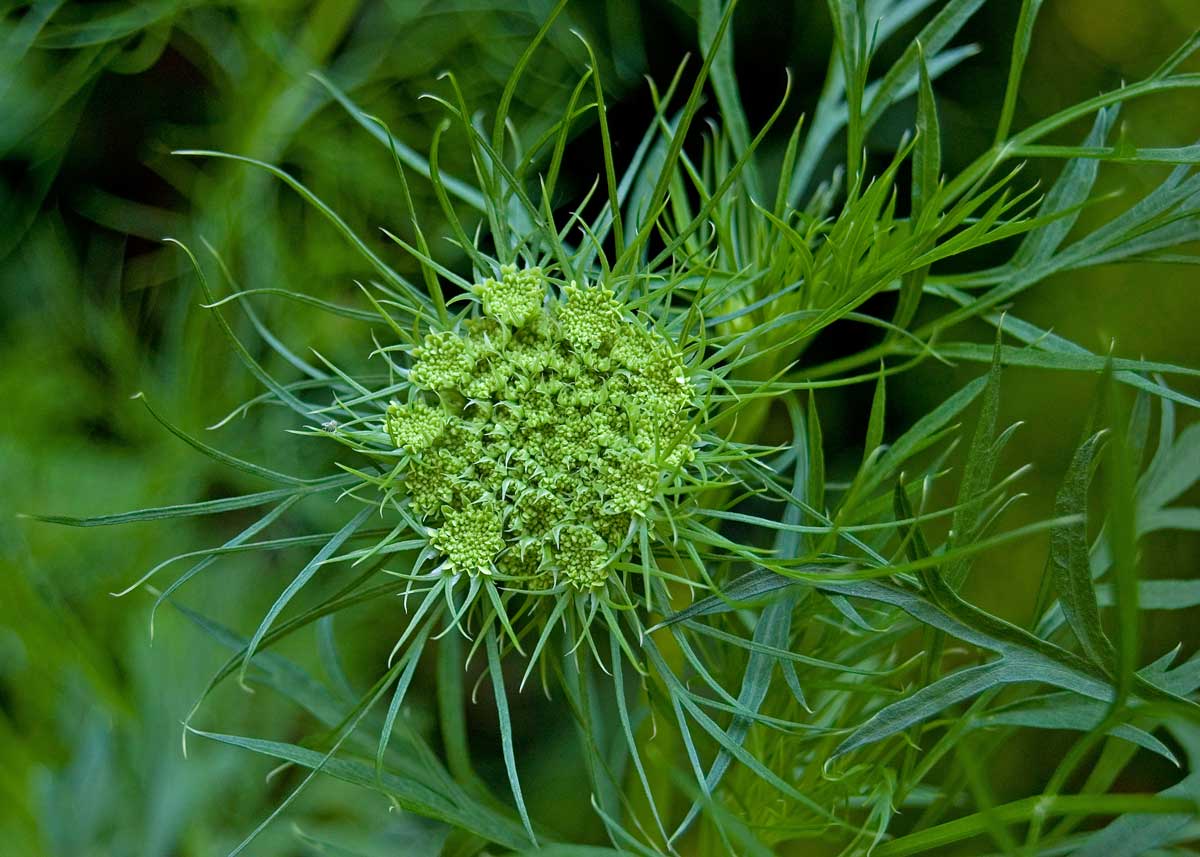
589 319
444 361
415 426
516 298
541 431
470 538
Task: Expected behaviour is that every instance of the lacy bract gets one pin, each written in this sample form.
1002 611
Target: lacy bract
538 433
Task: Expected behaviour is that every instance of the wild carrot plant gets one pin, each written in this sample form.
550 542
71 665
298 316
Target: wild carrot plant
586 446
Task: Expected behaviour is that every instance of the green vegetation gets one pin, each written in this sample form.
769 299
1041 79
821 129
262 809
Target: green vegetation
607 428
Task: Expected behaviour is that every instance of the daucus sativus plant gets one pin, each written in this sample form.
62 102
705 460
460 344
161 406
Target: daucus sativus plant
586 444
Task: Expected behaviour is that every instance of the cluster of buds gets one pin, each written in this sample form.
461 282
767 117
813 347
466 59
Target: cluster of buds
537 433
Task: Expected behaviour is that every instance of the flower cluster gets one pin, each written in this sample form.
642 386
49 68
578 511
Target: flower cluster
540 431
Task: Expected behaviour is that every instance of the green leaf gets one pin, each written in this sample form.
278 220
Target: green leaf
734 748
220 456
1020 50
1044 806
256 369
1175 469
977 474
933 37
409 793
339 538
1066 196
773 629
913 440
1125 153
592 731
1045 354
468 194
674 149
209 557
190 510
506 740
631 744
419 301
1138 834
927 155
410 659
830 113
1026 658
875 419
1069 558
1152 595
751 587
560 850
724 84
1122 529
610 172
1051 351
275 671
1165 217
1067 711
510 86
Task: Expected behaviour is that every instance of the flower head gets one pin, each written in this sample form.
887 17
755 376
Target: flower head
549 426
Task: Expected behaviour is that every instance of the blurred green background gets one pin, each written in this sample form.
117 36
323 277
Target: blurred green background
93 308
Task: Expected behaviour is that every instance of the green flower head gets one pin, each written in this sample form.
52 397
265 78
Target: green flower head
550 426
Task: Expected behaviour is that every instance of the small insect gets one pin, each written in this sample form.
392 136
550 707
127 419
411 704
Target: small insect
330 426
